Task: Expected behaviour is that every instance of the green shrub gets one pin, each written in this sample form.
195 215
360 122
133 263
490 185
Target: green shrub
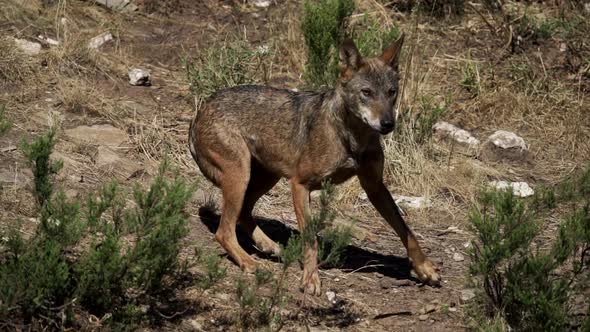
45 276
4 123
371 37
417 126
213 270
257 311
101 273
470 77
528 287
38 154
528 27
160 224
324 25
220 66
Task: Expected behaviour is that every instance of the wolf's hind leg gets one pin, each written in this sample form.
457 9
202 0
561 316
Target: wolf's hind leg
235 175
261 182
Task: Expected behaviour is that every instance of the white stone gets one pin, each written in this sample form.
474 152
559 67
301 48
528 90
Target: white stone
28 47
444 130
114 4
467 295
457 257
139 77
507 140
413 202
520 189
48 40
100 40
331 297
563 47
261 3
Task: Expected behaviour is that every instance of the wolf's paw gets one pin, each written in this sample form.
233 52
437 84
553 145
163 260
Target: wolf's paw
311 283
427 273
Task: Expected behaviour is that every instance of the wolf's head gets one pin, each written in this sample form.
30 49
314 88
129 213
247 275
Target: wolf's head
370 86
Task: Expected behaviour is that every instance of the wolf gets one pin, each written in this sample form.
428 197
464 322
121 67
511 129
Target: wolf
246 138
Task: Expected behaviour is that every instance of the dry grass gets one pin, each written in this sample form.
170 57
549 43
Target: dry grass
15 66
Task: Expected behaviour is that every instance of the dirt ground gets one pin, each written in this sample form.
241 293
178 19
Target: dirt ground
374 289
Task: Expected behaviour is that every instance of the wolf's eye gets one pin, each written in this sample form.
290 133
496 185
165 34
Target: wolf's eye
392 92
366 93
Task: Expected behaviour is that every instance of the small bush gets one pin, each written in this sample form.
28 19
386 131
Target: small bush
257 311
470 78
530 288
371 37
221 66
38 154
213 270
417 126
324 25
45 276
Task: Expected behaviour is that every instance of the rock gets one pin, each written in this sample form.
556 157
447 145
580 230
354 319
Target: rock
413 202
8 148
28 47
457 257
446 131
519 189
507 140
100 40
48 118
223 296
48 41
121 5
453 309
358 233
587 7
386 283
72 194
71 168
467 295
430 308
261 3
105 134
12 178
139 77
423 317
109 159
195 325
504 145
331 297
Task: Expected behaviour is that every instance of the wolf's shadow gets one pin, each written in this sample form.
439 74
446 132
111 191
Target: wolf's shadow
355 258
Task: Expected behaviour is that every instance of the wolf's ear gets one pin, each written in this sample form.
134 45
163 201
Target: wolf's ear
391 54
350 57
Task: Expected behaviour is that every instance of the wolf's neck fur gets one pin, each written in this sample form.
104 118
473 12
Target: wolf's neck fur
353 132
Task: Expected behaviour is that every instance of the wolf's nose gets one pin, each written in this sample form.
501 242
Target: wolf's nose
386 124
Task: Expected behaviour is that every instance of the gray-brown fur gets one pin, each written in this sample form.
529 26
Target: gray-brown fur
246 138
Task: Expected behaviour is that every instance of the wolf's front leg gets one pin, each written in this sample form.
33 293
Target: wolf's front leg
371 181
310 282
